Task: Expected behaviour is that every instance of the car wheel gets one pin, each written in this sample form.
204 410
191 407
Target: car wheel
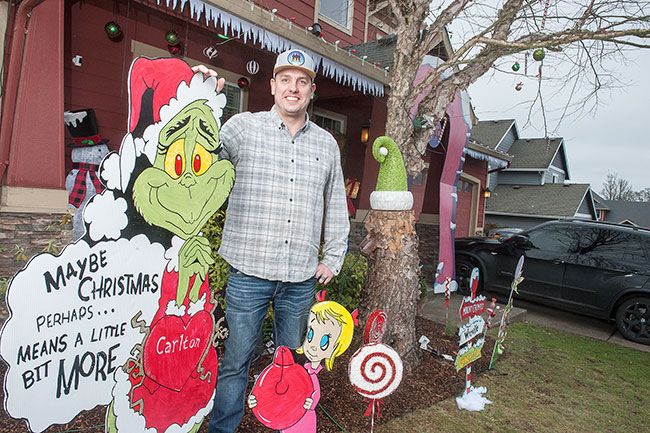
633 319
464 266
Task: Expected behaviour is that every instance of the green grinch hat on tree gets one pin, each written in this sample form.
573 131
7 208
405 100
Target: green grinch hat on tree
391 192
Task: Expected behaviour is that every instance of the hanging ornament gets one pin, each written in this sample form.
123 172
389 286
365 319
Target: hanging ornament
519 86
243 83
516 66
253 67
172 38
175 50
539 54
113 31
210 52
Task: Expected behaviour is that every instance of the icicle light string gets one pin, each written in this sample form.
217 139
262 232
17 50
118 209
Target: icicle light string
274 43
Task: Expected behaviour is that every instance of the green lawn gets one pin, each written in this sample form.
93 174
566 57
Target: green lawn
549 381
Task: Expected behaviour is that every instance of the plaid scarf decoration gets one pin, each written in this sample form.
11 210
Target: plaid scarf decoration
79 190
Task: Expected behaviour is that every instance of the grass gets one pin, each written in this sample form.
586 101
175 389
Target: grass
549 381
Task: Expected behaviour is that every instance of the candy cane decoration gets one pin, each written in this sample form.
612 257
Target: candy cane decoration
473 284
548 3
375 370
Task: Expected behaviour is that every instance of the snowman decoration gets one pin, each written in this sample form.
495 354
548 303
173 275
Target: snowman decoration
89 149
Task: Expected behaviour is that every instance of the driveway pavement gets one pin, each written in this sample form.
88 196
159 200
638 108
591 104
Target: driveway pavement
432 308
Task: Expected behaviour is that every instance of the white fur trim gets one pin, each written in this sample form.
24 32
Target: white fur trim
391 200
173 310
197 306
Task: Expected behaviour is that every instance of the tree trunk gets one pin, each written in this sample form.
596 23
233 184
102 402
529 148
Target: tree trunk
394 279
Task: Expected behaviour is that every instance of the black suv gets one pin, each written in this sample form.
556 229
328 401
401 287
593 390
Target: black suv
592 268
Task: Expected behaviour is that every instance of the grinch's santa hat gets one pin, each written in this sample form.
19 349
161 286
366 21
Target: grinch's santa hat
158 90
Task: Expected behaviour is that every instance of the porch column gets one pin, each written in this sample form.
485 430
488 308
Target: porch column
37 154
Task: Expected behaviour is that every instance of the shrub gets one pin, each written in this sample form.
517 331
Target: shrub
218 273
347 287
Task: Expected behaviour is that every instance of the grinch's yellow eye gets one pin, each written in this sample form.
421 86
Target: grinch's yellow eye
175 160
201 159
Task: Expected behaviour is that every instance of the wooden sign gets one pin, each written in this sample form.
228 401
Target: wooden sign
469 354
472 307
471 329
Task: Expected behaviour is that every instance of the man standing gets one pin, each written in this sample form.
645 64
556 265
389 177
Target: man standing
288 195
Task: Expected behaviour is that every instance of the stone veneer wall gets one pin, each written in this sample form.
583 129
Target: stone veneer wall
428 234
23 235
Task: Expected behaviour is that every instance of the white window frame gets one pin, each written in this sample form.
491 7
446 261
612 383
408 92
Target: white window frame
347 30
333 116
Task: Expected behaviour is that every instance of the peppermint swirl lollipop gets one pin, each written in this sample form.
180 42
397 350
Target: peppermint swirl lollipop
375 371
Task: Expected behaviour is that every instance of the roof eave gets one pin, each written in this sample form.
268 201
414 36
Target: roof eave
261 17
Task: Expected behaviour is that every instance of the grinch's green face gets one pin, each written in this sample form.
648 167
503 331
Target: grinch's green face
187 182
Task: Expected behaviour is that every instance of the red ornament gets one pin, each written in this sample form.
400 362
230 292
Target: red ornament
281 390
243 83
174 49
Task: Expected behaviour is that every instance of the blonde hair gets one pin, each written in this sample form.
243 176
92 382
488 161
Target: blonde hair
323 310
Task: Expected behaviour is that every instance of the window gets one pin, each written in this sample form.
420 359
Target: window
464 186
333 122
337 12
551 238
611 248
233 101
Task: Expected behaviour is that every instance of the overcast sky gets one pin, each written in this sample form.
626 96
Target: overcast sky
614 139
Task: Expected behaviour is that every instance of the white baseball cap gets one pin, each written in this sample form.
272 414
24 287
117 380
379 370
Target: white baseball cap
295 59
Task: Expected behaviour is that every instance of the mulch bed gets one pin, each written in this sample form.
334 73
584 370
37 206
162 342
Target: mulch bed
434 380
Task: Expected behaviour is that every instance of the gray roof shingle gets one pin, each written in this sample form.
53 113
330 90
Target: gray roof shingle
534 153
636 211
490 132
551 199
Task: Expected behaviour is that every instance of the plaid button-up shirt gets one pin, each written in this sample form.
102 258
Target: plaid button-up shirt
288 195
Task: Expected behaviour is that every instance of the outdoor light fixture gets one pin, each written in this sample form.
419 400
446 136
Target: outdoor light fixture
365 134
487 193
315 29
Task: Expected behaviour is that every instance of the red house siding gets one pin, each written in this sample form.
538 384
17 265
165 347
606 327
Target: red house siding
36 159
303 12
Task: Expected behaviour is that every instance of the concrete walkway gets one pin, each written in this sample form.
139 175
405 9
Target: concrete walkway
432 308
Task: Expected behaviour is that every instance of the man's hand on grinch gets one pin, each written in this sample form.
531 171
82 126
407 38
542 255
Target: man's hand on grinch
210 73
323 274
194 258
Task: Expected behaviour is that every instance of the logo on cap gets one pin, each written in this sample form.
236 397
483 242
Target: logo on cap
296 58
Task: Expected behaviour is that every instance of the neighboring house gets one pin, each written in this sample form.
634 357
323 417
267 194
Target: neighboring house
533 188
633 213
525 206
601 207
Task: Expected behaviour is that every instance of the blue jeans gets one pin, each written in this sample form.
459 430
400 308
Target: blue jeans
247 301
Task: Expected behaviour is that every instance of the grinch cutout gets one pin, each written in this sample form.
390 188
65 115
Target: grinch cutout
281 398
176 363
125 317
88 151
